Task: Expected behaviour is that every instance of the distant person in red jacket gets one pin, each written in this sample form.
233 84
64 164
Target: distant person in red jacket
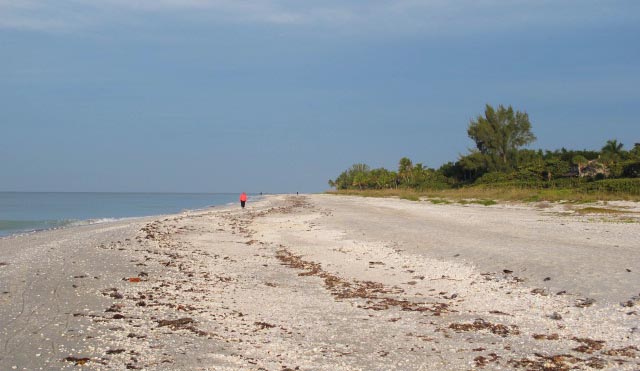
243 199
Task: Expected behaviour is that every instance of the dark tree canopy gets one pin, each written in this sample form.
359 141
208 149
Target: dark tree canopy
499 134
499 159
612 150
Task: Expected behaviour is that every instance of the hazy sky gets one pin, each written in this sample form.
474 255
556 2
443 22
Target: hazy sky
280 96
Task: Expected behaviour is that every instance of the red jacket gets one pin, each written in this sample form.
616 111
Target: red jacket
243 197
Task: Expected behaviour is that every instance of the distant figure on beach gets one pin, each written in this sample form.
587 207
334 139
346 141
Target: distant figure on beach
243 199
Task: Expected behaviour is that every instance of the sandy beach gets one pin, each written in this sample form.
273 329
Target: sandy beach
323 282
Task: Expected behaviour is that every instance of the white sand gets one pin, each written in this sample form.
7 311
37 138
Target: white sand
328 283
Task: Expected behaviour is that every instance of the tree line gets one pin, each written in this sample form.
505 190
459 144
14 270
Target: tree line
499 157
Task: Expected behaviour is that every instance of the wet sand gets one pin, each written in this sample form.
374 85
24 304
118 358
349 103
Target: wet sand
327 283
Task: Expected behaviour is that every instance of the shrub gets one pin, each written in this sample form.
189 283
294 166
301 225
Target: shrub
492 178
618 186
484 202
631 169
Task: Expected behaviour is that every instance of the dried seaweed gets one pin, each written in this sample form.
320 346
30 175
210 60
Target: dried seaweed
559 362
115 351
553 336
480 324
175 324
542 292
482 361
500 313
630 351
342 289
115 308
588 345
586 302
264 325
78 361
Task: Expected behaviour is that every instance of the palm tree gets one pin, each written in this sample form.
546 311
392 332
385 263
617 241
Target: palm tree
405 169
612 150
360 180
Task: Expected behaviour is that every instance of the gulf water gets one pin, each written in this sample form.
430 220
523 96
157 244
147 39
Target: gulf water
34 211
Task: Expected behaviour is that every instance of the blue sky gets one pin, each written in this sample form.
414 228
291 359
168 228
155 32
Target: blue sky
280 96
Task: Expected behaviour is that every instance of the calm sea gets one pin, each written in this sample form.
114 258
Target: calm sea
26 211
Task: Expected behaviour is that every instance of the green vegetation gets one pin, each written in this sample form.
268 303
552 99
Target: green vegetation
410 197
600 210
484 202
437 201
479 202
500 168
498 137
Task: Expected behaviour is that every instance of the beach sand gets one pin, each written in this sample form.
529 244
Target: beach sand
322 282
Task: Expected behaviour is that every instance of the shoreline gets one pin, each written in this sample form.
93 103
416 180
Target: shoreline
325 283
27 212
73 223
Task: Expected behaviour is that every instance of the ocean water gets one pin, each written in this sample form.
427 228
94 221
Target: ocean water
26 211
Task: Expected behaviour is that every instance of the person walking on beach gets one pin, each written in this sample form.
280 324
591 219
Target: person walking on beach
243 199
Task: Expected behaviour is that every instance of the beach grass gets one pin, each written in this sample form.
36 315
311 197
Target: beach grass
489 196
410 197
438 201
485 202
600 210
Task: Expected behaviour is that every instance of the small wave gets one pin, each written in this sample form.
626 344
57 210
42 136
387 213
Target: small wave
26 224
13 227
77 223
28 212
